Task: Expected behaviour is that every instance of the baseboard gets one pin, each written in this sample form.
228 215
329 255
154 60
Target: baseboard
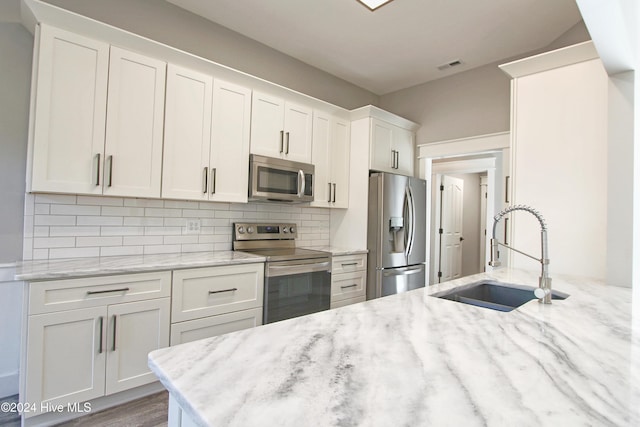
9 384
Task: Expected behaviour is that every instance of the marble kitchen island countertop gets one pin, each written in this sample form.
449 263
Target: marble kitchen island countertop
416 360
82 267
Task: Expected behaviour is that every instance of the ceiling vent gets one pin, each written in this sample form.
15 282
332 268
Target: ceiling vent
451 64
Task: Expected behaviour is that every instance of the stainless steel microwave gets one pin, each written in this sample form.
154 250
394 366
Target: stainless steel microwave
280 180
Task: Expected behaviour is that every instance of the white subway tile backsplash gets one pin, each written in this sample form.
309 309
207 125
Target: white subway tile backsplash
54 220
63 199
73 253
74 210
66 226
100 220
121 250
54 242
142 240
100 201
122 231
122 211
98 241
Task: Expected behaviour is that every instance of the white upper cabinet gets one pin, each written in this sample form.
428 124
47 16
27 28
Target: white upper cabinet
280 128
331 149
229 162
206 146
187 134
98 116
392 148
69 110
135 114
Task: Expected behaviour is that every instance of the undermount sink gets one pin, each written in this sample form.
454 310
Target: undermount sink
494 295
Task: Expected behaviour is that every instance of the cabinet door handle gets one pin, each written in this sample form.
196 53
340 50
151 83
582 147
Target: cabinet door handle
348 286
100 349
506 226
110 180
334 192
397 159
287 151
223 290
115 327
106 291
214 173
281 141
97 157
205 180
506 189
329 201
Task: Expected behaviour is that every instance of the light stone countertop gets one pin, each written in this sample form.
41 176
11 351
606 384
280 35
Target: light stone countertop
415 360
335 251
83 267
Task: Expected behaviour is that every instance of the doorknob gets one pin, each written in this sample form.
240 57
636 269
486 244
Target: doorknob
461 239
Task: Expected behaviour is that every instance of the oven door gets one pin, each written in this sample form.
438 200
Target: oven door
296 288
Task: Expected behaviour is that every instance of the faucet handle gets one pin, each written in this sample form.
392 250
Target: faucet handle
541 293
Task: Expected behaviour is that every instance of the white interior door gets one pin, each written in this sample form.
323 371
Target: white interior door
451 237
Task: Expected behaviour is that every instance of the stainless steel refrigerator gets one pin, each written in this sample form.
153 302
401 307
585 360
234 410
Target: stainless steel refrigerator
396 235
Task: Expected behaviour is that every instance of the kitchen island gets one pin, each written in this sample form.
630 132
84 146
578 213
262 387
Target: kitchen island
413 359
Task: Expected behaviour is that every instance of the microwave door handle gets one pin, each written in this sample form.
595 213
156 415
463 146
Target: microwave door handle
301 183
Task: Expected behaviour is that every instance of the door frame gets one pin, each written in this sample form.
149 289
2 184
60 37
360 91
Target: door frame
487 145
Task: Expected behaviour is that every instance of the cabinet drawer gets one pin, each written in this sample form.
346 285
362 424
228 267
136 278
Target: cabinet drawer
193 330
204 292
69 294
348 263
348 285
346 302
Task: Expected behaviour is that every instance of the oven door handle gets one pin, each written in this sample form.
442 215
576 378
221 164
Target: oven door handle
290 269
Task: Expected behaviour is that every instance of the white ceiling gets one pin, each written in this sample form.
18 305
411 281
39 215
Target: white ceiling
402 43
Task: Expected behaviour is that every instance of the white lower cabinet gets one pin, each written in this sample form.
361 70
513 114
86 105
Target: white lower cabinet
75 355
348 279
216 300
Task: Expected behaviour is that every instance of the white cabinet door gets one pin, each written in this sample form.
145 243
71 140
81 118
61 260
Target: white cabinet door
340 158
135 116
267 119
404 147
321 159
69 109
187 134
134 330
381 156
297 132
229 162
66 354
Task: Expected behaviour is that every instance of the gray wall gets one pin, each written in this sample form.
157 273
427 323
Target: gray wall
470 103
16 45
169 24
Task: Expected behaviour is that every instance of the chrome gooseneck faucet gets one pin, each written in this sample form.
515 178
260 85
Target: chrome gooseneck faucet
543 293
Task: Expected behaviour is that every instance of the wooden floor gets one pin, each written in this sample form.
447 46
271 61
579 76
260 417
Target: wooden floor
150 411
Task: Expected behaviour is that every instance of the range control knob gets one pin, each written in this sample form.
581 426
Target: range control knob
285 230
249 229
240 230
292 230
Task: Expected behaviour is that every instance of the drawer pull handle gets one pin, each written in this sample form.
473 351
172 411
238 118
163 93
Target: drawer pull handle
348 286
349 264
107 291
224 290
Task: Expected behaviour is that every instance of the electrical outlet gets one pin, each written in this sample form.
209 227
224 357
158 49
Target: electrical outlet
192 226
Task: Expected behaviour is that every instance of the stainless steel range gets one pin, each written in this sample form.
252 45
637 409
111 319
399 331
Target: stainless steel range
297 281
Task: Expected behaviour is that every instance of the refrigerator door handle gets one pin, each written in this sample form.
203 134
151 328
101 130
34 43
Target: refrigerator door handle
410 221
